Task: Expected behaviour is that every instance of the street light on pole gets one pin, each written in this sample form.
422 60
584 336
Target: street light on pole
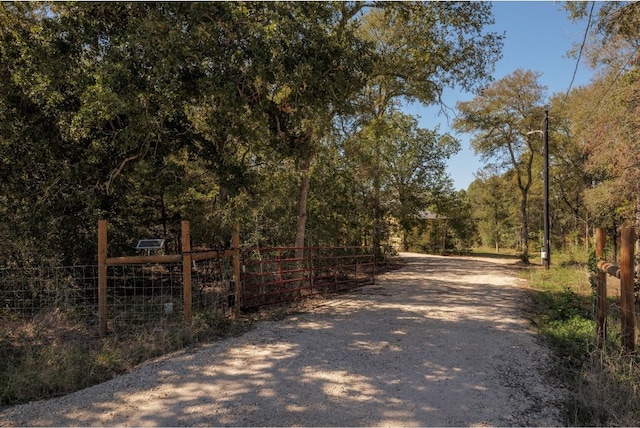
546 246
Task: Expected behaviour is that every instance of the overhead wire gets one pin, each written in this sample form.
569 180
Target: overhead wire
615 79
622 67
584 40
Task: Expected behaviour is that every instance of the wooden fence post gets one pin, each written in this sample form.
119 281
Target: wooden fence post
102 277
356 260
236 270
601 290
627 304
186 271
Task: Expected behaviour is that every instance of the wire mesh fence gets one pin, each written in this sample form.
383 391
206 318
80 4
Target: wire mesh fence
212 284
141 295
27 291
151 296
138 296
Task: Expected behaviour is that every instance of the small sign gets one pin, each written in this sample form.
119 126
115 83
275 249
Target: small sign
150 244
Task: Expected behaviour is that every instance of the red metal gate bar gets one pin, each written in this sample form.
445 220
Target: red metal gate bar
275 275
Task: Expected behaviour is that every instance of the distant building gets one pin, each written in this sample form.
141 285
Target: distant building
428 236
428 215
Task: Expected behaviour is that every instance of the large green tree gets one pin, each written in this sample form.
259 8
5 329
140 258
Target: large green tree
146 113
605 120
500 119
404 166
422 48
493 200
93 91
568 177
119 90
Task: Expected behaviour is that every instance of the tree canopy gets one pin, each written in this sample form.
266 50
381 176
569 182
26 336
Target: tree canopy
593 135
148 113
502 118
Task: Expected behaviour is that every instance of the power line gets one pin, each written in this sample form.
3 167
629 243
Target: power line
622 67
615 79
584 40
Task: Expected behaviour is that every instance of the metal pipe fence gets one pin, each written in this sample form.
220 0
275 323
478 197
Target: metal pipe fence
279 275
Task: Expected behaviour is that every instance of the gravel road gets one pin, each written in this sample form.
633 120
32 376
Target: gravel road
441 342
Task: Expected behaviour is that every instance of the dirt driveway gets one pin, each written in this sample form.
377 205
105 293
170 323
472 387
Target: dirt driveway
440 342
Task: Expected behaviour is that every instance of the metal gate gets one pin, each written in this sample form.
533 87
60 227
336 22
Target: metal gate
276 275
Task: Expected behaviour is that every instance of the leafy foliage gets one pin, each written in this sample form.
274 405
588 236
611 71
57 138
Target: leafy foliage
501 118
148 113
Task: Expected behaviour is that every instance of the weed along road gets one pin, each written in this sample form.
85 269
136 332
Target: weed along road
440 342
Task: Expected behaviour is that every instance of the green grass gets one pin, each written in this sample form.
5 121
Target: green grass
603 384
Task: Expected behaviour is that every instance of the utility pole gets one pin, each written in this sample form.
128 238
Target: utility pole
545 152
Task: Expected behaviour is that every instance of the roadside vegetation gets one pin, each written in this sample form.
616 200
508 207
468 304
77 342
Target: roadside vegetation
603 385
146 114
51 355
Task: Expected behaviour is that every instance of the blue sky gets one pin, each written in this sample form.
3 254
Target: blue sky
538 36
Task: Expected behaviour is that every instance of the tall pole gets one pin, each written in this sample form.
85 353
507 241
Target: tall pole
545 151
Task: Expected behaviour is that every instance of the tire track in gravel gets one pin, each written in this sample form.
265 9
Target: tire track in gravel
440 342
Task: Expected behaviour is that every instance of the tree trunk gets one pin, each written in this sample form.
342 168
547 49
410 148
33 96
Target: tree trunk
163 215
587 235
302 208
525 228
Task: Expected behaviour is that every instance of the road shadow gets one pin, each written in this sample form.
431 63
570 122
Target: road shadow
439 342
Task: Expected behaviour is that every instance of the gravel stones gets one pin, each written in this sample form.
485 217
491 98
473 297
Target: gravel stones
441 342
